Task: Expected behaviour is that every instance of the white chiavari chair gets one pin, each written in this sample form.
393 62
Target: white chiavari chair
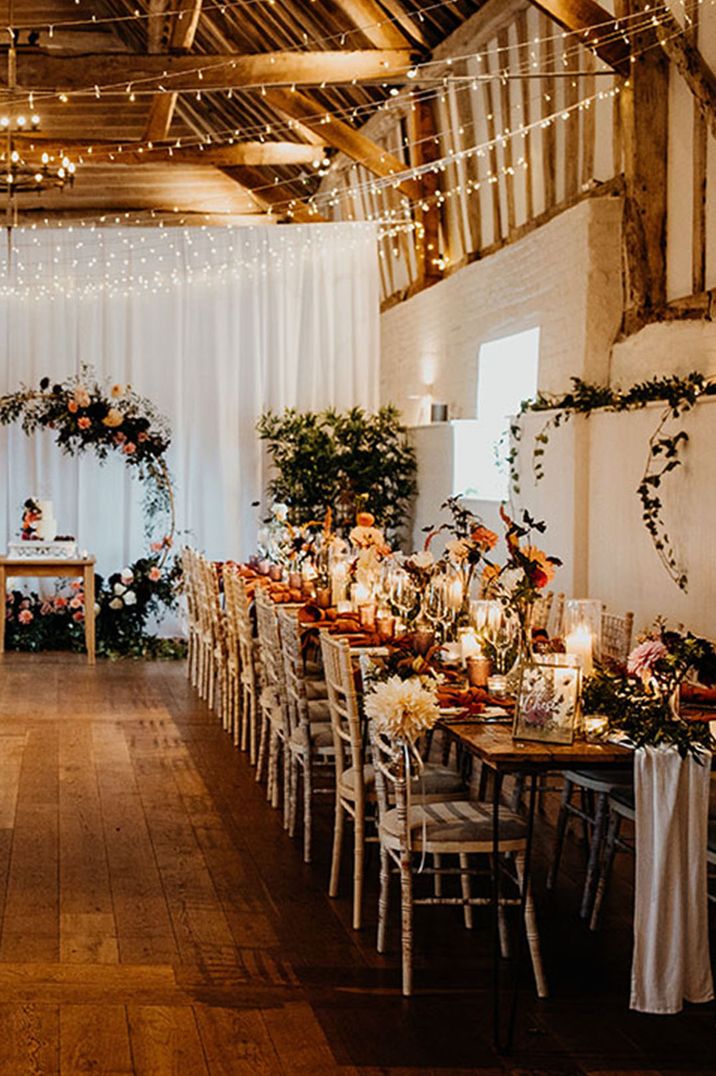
248 662
233 650
461 828
355 778
555 618
310 748
272 702
218 693
188 561
541 610
617 634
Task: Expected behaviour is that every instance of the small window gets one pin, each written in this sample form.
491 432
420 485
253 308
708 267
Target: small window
506 375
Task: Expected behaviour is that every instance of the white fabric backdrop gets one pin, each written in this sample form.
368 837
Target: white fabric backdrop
213 325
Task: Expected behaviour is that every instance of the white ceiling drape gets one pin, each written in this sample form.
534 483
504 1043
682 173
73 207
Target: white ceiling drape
213 325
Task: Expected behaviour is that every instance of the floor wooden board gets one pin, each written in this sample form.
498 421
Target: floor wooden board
156 919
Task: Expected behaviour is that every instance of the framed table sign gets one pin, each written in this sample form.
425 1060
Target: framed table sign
548 702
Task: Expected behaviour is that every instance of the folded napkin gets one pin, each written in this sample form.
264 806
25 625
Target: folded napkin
671 961
472 699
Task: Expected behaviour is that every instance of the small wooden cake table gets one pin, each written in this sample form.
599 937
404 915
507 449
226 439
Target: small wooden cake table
53 567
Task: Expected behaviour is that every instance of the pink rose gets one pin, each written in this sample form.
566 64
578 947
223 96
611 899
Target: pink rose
78 616
645 657
84 423
129 449
155 574
73 406
45 609
25 616
76 603
60 602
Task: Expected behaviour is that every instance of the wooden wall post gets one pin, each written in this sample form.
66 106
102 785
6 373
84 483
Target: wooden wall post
425 149
644 102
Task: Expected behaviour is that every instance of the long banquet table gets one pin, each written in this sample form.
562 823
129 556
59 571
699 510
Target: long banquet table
494 746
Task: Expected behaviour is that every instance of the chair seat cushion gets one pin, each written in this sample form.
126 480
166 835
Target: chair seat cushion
318 710
601 780
321 736
454 822
623 797
316 689
435 781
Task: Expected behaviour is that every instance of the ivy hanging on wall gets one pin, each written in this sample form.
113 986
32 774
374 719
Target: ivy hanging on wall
665 448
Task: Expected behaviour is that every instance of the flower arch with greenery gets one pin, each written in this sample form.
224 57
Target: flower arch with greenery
85 414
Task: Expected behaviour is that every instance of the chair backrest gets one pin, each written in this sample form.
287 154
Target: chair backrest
297 703
269 644
541 610
245 630
189 576
344 708
616 636
392 771
555 617
231 618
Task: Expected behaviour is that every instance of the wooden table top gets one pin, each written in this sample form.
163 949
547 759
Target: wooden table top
46 562
494 745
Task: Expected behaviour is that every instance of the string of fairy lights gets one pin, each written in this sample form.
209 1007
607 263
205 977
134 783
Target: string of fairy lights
373 185
126 275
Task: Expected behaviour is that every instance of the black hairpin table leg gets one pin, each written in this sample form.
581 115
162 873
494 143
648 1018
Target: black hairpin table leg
504 1046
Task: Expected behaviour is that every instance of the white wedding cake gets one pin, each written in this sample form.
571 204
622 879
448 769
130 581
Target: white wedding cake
39 534
46 527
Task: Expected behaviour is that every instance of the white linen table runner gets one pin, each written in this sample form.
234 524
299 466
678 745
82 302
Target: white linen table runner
671 962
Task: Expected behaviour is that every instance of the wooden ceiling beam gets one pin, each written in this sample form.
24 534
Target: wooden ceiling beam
594 26
343 137
375 24
696 73
146 73
272 199
103 152
161 111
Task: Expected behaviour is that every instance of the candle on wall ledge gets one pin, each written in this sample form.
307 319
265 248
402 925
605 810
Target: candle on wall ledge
579 644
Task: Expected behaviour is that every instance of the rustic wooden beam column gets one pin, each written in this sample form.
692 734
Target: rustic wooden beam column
644 111
427 220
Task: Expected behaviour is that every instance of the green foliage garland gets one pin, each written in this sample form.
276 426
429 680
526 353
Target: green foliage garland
83 414
344 461
679 394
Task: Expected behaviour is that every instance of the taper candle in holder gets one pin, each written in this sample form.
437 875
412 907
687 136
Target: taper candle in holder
584 613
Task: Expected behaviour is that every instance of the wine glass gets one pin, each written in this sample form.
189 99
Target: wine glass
437 605
403 592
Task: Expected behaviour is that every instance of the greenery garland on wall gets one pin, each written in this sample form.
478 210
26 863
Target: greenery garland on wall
345 461
83 414
679 394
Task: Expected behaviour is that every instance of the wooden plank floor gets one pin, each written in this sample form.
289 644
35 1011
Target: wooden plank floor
155 918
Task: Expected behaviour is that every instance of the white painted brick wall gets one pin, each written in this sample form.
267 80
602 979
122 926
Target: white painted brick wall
566 278
563 277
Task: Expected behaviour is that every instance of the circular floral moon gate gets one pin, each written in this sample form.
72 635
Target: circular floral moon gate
84 414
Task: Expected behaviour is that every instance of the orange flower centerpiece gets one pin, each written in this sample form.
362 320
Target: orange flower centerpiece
519 582
469 544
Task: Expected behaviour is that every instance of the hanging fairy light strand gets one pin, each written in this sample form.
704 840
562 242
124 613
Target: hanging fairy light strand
230 134
377 185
